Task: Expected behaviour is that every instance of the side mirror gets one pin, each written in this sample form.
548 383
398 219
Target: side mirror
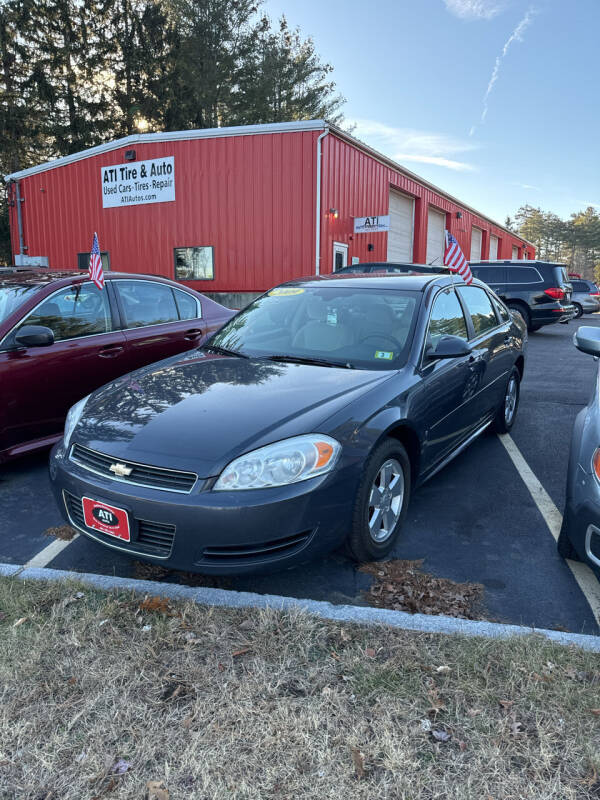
587 339
450 347
34 336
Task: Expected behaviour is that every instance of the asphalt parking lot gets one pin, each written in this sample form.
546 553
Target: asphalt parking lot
475 521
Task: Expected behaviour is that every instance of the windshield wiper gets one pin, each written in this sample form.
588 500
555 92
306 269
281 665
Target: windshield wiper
224 351
318 362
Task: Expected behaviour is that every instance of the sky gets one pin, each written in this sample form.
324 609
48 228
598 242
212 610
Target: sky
494 101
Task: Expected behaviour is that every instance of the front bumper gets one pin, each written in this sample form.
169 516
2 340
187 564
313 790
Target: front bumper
214 532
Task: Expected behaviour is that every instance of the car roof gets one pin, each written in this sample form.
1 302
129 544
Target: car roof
414 282
521 262
42 277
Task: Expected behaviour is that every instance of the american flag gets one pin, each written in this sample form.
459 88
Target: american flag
95 272
455 260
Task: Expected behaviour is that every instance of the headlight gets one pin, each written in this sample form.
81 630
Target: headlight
73 418
288 461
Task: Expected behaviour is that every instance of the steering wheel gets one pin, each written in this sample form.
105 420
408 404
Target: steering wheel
392 339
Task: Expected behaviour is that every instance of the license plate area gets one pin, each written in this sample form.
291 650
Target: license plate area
107 519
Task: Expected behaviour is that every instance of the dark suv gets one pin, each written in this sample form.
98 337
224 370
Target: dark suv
538 290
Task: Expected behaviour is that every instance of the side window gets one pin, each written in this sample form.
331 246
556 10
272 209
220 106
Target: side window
146 303
489 274
188 306
523 275
81 310
501 309
580 286
194 263
447 318
480 308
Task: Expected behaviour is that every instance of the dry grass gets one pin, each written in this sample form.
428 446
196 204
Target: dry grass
101 693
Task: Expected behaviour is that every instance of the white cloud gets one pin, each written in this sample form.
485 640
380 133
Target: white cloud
516 36
474 9
410 145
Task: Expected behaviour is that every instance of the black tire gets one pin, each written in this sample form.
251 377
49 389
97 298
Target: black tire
565 547
578 310
523 311
503 422
361 544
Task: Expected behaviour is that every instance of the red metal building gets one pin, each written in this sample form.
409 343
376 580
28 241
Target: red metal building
241 209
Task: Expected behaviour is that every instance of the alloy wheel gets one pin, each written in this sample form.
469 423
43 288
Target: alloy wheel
385 500
510 401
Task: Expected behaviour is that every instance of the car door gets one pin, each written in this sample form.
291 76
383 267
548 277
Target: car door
442 406
492 349
43 382
158 320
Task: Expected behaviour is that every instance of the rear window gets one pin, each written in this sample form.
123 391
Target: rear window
561 275
580 286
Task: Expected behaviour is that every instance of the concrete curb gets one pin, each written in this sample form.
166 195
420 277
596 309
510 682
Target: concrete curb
341 613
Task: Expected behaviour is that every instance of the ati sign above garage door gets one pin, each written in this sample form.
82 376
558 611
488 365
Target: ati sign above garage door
400 236
436 226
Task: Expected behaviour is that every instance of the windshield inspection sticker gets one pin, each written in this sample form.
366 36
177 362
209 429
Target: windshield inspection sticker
389 356
285 291
332 317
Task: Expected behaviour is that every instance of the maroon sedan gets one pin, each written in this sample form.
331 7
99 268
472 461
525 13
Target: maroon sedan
61 338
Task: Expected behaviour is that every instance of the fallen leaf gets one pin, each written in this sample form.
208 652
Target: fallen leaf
595 711
156 790
72 681
359 763
20 621
156 604
64 532
441 736
370 652
241 652
443 670
506 704
120 767
462 746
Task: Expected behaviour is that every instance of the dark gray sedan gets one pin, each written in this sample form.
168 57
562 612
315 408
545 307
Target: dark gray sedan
305 422
579 537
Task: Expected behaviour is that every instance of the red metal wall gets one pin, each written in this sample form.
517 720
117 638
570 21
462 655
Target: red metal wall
251 197
358 185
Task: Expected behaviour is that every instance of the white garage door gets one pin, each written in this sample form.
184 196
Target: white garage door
515 252
400 236
436 225
475 244
493 248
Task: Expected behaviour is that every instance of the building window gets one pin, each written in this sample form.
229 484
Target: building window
194 263
83 260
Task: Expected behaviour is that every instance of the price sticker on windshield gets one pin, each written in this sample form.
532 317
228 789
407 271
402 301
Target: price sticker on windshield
285 291
386 354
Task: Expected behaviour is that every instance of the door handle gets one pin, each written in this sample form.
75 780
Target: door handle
111 350
193 334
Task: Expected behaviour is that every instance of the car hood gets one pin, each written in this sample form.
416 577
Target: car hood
199 411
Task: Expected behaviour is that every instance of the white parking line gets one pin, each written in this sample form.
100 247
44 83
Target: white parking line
586 580
45 556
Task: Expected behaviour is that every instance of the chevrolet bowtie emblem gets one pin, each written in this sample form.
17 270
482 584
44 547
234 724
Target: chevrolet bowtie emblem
121 470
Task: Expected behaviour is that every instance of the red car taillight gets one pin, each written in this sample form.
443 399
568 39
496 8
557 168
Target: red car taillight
595 294
555 294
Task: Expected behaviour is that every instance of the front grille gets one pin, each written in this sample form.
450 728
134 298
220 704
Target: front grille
153 538
247 553
141 474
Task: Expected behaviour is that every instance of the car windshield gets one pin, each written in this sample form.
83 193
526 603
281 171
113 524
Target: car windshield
11 298
346 327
